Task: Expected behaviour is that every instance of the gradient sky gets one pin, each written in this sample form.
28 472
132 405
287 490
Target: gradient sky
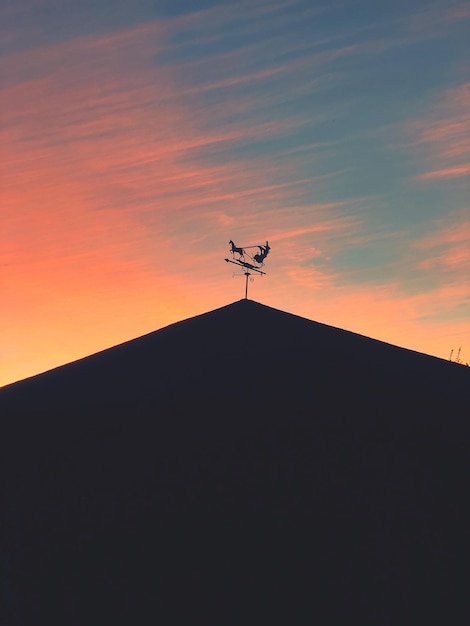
138 137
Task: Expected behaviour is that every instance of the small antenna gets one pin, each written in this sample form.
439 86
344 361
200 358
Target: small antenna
250 262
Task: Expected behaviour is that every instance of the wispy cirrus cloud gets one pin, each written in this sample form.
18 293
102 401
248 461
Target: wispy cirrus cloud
449 172
116 180
436 15
460 11
136 145
443 136
447 249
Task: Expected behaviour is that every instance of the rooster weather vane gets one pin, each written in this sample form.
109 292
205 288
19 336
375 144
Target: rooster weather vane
251 262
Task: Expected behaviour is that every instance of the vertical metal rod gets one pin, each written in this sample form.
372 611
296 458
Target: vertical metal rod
246 285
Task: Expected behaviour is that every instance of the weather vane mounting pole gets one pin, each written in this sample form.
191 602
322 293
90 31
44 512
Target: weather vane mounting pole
250 262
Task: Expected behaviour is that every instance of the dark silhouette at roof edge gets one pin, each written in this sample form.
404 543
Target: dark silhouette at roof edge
232 315
243 466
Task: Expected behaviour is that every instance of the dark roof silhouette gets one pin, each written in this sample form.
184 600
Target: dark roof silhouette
243 466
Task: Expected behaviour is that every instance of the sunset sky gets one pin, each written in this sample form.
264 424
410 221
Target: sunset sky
138 137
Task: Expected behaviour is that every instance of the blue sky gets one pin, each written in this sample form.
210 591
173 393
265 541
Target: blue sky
138 138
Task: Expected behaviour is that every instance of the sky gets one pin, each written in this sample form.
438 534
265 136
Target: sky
138 138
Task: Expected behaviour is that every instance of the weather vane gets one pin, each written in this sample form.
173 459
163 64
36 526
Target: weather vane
251 263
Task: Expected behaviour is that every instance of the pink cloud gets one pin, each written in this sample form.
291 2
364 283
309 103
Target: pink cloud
114 200
459 12
445 252
442 136
450 230
118 196
449 172
434 18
